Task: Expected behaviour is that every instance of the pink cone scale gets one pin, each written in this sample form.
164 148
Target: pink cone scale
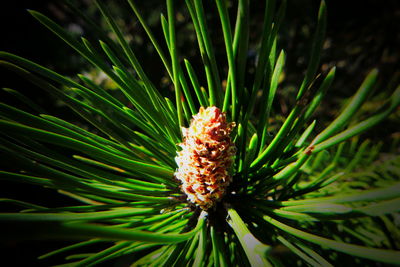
206 158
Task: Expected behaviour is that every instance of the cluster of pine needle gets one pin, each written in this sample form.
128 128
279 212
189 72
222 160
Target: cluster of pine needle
230 189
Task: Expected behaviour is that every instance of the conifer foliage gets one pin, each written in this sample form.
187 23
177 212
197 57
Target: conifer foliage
204 179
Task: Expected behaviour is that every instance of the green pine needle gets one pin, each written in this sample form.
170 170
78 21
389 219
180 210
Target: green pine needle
302 191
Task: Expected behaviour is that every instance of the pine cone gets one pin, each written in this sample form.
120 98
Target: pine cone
206 157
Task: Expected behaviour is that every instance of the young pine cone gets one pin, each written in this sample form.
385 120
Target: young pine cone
206 157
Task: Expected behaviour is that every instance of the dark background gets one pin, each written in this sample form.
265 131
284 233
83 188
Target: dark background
361 35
